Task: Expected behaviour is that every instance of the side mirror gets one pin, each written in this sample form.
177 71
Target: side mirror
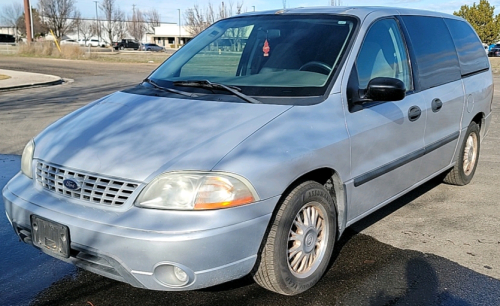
385 89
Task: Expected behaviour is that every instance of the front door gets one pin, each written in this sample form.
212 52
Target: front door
386 137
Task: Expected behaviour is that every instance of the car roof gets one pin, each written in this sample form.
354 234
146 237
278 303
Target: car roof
358 11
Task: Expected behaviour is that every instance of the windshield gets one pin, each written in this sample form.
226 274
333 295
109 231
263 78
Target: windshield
267 55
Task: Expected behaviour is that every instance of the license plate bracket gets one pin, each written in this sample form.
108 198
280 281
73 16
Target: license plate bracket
51 237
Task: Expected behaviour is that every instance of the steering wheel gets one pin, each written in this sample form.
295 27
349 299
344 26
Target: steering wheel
320 67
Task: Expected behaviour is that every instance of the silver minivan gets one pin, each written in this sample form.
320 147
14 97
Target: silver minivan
253 147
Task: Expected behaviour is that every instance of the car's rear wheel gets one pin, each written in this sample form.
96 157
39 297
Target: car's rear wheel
300 241
468 156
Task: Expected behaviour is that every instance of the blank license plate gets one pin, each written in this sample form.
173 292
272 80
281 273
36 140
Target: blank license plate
51 237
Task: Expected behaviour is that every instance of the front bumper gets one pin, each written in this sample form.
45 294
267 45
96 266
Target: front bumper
135 245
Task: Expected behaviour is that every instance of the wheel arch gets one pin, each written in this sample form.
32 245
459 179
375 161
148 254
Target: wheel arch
331 180
480 120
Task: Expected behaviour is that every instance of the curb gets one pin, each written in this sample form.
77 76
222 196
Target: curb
33 85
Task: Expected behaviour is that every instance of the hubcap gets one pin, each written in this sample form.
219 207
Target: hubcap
470 153
307 240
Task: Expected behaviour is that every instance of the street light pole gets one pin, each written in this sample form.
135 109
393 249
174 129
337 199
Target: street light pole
97 24
179 27
31 22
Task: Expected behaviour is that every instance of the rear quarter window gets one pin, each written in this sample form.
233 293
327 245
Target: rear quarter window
433 50
469 48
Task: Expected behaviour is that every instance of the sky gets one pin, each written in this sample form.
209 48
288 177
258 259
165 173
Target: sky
168 9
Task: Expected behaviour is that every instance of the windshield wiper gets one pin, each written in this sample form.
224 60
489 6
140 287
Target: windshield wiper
210 85
155 85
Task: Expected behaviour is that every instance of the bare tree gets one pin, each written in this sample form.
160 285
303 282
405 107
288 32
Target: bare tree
85 28
228 10
136 25
195 20
198 19
111 18
60 15
121 25
10 14
152 19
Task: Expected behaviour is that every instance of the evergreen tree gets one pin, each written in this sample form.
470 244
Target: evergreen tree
482 19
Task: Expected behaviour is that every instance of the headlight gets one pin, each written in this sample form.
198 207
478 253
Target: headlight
196 190
27 158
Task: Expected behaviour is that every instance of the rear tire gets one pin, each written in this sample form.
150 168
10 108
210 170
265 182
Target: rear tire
468 157
300 242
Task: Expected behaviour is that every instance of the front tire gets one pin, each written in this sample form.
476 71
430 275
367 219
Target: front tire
300 242
468 156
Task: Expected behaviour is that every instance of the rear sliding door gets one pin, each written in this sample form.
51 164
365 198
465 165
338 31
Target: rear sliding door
438 79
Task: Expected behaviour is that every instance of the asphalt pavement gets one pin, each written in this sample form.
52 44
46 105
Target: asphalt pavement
437 245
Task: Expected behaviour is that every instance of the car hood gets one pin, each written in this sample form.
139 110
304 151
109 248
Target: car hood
137 137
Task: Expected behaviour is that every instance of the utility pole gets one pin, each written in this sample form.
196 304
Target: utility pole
27 20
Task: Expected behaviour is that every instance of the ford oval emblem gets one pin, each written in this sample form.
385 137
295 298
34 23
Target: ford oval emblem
71 184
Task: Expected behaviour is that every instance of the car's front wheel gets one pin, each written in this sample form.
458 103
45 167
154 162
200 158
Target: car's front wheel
300 241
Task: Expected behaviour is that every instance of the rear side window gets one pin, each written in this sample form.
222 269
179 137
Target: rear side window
470 50
434 51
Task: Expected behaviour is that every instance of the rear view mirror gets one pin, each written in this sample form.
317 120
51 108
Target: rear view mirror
269 34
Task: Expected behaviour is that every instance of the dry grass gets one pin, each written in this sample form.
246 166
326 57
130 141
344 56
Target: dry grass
131 57
49 49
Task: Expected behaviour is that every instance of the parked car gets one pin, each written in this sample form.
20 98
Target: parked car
495 51
255 157
95 43
69 42
486 48
126 44
152 47
7 38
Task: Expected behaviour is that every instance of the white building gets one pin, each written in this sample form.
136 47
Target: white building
169 35
7 30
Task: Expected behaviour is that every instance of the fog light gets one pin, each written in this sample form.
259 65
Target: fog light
180 274
171 275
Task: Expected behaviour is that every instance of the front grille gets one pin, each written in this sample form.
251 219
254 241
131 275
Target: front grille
94 189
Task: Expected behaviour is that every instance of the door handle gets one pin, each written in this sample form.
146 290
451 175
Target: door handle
436 105
414 113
